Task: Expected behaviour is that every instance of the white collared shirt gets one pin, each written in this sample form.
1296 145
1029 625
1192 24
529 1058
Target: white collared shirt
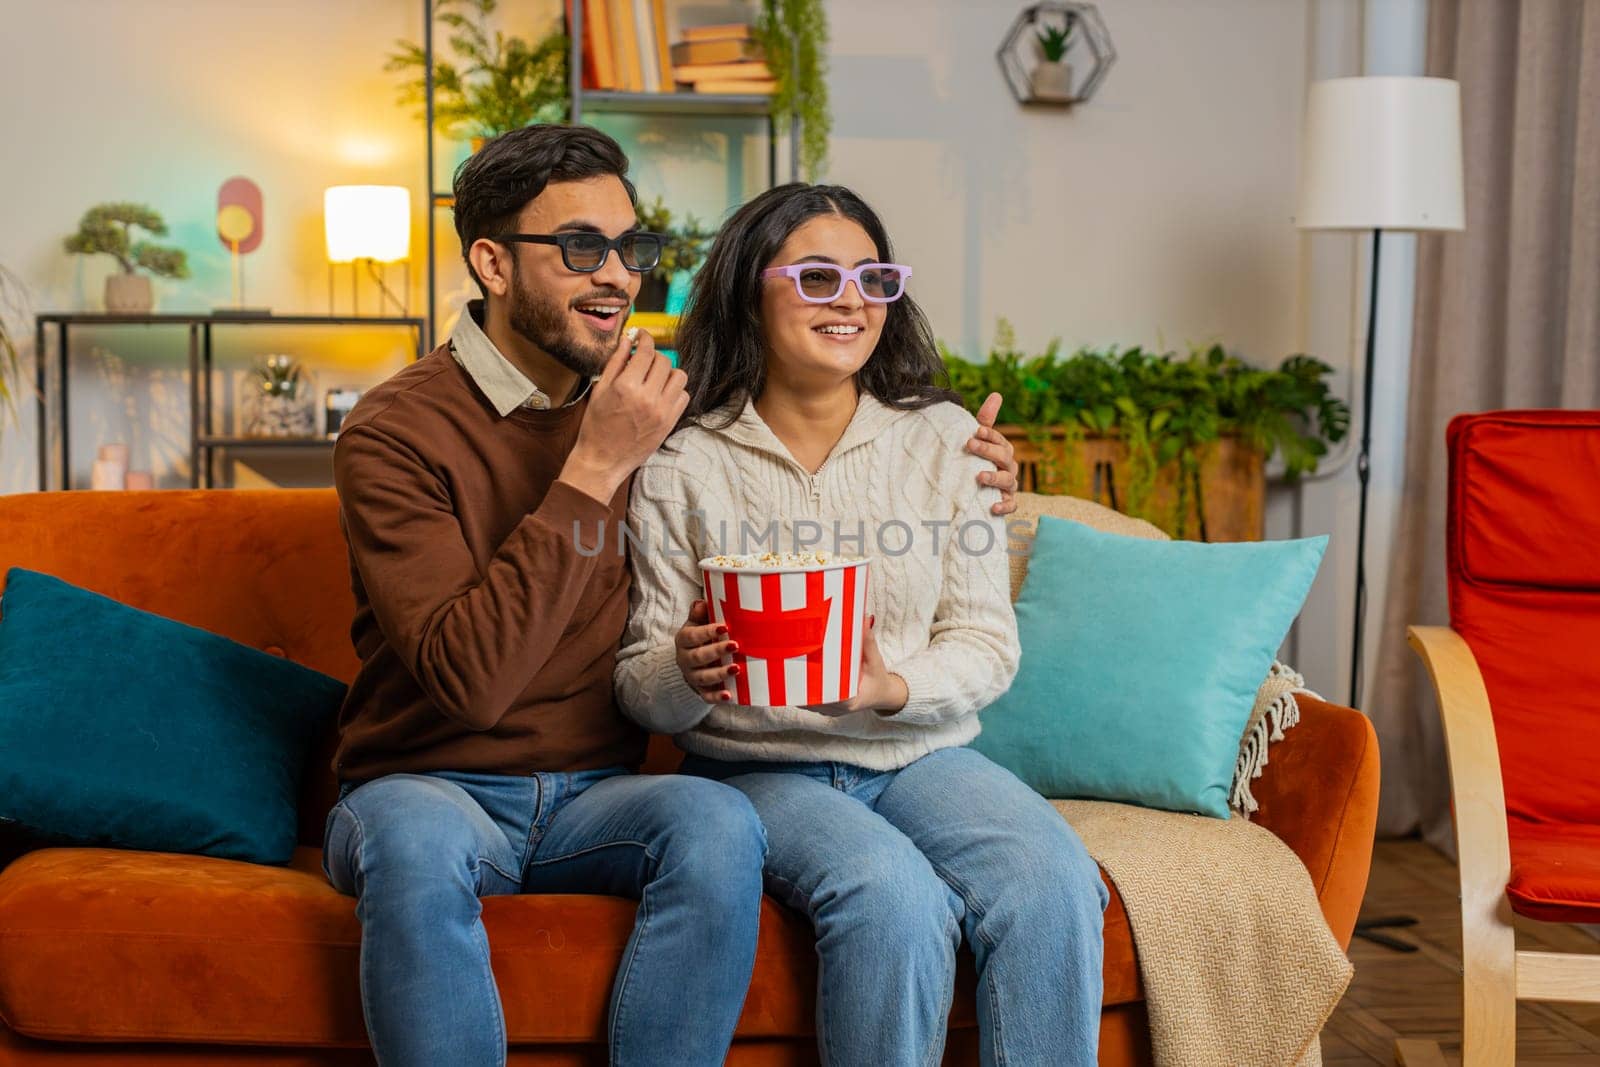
506 387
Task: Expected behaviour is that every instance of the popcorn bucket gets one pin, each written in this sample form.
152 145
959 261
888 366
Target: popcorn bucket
799 629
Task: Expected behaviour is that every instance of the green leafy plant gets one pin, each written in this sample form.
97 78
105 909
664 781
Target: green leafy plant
1053 41
794 34
108 228
13 306
1167 409
496 84
278 376
686 245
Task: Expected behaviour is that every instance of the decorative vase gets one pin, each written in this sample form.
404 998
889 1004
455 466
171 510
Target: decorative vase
279 415
129 294
1052 81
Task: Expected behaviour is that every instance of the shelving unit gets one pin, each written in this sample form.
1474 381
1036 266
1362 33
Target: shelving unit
203 443
598 101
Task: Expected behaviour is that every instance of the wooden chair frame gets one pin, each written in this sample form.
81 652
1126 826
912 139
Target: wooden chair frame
1494 974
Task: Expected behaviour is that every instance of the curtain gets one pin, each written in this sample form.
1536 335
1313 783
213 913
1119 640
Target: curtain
1507 315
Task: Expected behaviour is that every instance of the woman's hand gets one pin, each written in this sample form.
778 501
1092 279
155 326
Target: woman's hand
880 690
701 644
992 445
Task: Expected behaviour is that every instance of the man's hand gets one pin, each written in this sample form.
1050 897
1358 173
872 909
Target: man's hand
701 644
993 446
632 407
878 691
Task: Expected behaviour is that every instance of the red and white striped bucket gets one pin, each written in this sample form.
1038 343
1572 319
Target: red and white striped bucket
798 629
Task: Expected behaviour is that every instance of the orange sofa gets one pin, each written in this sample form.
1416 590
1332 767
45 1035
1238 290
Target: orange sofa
121 957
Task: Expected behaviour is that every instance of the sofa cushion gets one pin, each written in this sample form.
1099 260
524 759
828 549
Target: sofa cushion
123 728
1141 660
105 945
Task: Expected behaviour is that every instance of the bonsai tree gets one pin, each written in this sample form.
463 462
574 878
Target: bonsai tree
498 84
108 228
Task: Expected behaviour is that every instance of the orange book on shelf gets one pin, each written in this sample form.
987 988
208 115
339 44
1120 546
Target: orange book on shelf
754 71
625 41
597 34
658 9
687 53
589 77
721 32
742 86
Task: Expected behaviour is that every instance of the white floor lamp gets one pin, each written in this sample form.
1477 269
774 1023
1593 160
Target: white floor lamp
1379 154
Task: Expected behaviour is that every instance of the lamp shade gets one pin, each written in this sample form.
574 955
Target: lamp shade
367 222
1382 153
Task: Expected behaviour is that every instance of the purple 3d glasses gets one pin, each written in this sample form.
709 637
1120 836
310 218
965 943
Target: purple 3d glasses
823 283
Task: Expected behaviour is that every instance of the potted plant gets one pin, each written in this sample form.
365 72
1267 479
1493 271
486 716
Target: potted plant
497 83
1051 78
108 228
794 35
1180 441
685 248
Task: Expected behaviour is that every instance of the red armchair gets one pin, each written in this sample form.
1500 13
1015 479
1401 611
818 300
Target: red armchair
1517 674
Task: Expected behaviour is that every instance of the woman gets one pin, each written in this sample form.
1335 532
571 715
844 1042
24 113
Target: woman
813 402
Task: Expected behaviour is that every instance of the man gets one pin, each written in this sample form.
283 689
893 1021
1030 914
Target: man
481 751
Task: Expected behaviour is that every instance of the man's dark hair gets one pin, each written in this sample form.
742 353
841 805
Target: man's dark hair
719 340
497 181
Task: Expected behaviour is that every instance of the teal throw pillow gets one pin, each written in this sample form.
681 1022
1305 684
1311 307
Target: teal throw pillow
125 729
1140 663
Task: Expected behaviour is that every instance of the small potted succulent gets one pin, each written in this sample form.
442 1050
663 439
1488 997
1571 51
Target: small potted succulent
1051 78
108 228
280 409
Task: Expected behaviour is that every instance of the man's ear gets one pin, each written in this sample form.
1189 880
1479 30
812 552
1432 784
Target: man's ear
492 263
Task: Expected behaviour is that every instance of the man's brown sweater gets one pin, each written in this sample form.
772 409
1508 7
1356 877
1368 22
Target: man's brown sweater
486 637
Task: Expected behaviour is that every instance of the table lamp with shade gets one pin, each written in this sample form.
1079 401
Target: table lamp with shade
1380 153
365 226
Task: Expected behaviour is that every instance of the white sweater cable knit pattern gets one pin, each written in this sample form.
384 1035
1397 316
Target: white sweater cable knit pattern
944 619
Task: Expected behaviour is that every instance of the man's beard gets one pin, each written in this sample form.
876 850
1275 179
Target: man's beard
547 324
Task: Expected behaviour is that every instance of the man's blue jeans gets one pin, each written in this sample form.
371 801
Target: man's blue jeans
419 850
894 867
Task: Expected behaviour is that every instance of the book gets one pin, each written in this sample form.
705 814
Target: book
625 43
741 86
644 25
658 10
691 53
722 32
590 76
754 71
597 33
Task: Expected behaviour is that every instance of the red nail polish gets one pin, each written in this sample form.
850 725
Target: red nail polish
735 670
872 620
725 696
721 630
733 646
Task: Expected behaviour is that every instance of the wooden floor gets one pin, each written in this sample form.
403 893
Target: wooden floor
1418 994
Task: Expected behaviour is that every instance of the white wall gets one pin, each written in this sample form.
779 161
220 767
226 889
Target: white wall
1158 213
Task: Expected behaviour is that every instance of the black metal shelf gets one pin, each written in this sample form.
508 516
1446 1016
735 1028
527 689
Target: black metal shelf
262 441
600 101
202 441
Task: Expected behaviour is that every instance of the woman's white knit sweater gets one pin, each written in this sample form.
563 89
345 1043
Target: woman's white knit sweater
896 478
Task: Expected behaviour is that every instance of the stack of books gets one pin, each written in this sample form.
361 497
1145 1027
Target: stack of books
625 49
721 59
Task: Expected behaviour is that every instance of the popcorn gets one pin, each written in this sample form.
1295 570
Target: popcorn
771 560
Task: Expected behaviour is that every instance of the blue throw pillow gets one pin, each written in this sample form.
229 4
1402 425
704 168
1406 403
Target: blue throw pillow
122 728
1140 663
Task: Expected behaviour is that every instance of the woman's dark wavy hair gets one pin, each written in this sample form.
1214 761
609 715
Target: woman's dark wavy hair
719 341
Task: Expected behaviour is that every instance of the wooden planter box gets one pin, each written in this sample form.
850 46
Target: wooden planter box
1232 476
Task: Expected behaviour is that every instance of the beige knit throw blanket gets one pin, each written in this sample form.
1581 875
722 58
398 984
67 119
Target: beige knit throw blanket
1238 964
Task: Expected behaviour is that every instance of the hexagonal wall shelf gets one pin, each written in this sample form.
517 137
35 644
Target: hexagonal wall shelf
1075 32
